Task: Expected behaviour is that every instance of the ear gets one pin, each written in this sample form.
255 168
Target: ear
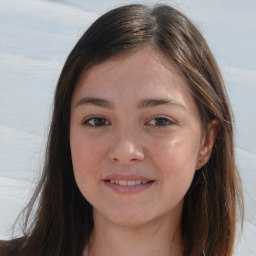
207 143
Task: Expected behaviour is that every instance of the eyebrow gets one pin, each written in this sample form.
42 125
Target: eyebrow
147 103
158 102
95 101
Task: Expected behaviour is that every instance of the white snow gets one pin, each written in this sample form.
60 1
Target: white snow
36 37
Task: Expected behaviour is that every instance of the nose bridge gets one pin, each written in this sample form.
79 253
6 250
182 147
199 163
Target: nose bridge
125 146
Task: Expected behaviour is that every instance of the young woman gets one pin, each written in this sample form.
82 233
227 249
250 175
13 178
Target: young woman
140 157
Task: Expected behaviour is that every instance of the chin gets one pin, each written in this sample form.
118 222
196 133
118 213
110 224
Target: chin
129 222
125 217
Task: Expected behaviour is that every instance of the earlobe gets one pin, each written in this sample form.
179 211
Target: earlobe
207 143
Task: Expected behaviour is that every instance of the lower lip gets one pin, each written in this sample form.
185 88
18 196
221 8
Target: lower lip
126 189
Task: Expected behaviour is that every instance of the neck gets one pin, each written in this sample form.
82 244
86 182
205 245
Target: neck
161 238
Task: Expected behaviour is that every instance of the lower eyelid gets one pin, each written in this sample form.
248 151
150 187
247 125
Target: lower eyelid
168 123
88 119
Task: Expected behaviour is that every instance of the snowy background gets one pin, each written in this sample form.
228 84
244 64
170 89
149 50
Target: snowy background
35 39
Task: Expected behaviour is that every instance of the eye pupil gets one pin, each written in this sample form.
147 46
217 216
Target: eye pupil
161 121
96 122
99 121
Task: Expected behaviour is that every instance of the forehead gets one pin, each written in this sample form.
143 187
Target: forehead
144 58
141 73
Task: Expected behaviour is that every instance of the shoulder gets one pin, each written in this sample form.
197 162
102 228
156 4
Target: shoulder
10 247
2 243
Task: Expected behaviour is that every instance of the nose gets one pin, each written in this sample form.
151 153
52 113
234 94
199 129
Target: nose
126 149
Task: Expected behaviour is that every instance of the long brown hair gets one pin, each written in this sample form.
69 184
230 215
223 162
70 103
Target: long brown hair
63 221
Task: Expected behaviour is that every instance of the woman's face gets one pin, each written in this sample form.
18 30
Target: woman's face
135 137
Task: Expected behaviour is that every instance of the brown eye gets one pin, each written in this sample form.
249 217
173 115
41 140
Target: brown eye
160 121
96 122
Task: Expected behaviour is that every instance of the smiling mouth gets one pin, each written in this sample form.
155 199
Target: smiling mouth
128 187
129 182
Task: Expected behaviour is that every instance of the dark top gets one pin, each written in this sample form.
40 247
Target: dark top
1 247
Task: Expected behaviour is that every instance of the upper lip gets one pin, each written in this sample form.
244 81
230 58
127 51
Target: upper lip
126 177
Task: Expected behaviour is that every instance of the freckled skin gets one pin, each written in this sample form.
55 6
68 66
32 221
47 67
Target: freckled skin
130 143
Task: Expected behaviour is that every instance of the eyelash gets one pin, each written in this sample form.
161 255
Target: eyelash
164 122
96 118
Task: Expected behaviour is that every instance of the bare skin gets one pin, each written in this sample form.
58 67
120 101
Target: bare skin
133 119
149 240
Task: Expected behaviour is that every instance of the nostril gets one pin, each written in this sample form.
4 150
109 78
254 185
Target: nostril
125 152
114 159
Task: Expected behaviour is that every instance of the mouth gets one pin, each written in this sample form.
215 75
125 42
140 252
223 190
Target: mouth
129 182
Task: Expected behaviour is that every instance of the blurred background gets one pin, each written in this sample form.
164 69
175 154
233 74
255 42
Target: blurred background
35 38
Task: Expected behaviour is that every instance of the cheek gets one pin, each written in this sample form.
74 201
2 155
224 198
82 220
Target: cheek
84 163
176 156
85 149
85 158
88 158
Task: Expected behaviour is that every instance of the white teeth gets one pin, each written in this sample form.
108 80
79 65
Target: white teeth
131 182
122 182
128 182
